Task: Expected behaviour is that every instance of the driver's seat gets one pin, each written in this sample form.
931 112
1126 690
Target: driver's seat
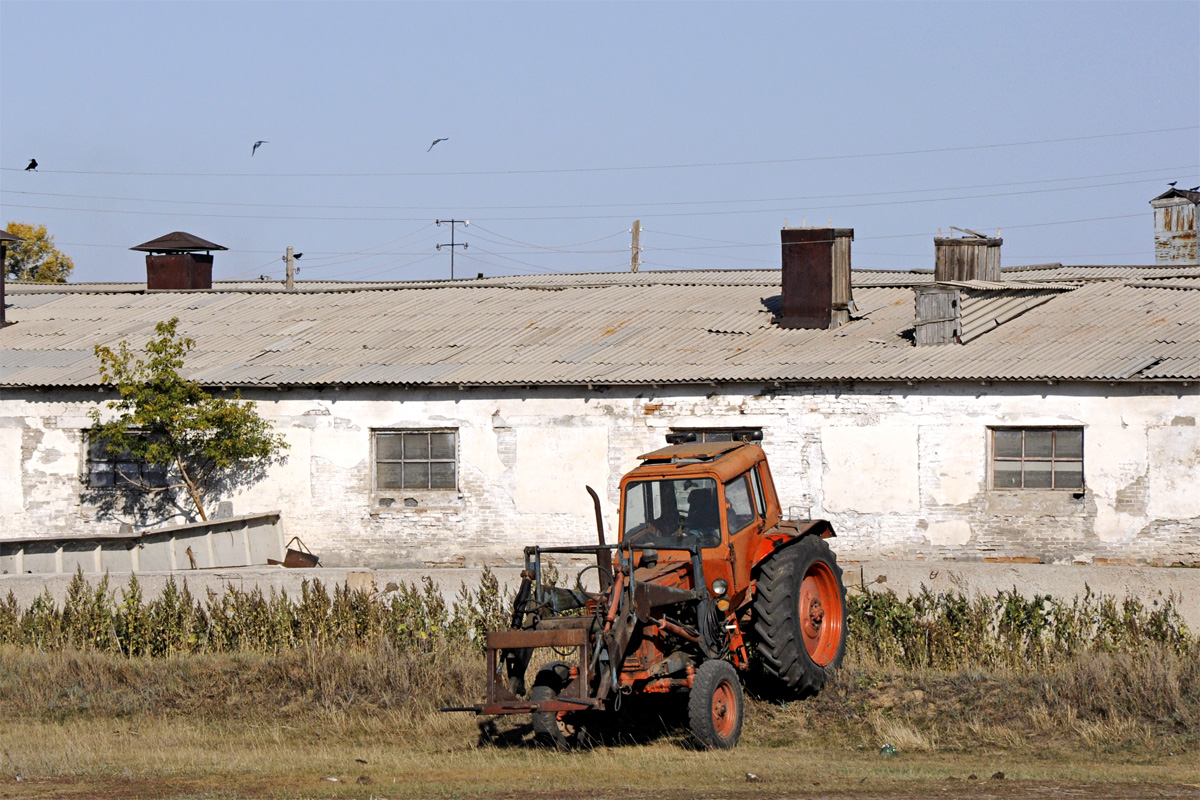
702 511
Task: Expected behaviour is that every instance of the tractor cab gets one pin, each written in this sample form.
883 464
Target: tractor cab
715 497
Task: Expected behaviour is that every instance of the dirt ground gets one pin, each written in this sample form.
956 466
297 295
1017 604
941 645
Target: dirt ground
193 761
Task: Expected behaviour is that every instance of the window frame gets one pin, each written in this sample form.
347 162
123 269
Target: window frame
745 480
1053 458
152 478
717 434
395 491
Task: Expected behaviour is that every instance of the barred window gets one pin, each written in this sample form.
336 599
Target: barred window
416 459
721 434
1037 458
106 470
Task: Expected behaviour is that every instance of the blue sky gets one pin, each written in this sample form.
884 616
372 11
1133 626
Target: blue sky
711 123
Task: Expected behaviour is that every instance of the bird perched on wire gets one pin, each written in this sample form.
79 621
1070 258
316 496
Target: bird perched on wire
435 141
257 145
32 165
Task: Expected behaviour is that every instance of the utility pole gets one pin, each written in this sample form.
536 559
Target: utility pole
635 258
452 244
290 258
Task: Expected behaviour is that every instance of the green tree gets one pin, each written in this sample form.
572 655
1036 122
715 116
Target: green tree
35 258
206 444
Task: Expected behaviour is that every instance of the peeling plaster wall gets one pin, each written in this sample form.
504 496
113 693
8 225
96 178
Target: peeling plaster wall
901 471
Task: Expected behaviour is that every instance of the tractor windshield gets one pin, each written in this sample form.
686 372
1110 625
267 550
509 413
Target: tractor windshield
672 513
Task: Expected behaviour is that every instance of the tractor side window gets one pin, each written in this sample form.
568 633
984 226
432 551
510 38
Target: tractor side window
739 511
759 498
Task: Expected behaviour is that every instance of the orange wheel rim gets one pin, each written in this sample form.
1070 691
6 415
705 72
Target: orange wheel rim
724 710
821 613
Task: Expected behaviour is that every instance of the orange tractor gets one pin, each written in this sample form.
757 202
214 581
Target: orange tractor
705 570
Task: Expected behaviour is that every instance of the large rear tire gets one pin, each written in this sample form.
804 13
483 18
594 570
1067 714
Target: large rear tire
716 706
800 616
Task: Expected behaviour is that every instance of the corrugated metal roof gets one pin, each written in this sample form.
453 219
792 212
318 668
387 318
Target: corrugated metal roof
698 277
617 328
1060 272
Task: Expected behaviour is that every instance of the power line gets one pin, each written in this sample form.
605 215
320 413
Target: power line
576 170
804 198
554 247
377 269
775 210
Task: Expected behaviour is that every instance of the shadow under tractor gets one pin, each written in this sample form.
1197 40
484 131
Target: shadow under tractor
704 571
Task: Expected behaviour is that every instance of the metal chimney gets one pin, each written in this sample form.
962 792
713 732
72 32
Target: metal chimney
816 277
175 262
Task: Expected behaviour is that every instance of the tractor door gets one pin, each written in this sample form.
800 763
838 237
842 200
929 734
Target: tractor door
744 514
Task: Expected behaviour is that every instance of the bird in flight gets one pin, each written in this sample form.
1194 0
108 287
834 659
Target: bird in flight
1172 184
257 145
435 141
32 165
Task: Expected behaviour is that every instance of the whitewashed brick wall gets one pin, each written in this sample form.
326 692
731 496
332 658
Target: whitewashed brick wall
900 470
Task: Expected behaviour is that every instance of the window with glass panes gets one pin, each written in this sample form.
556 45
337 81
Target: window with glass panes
106 470
415 460
1037 458
715 434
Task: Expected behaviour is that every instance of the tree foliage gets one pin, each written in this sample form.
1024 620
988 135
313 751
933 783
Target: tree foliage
207 444
35 258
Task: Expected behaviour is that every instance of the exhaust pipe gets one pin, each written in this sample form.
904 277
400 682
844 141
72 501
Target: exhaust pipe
603 557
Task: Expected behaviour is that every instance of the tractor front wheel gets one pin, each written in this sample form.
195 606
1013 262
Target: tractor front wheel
715 706
800 615
550 727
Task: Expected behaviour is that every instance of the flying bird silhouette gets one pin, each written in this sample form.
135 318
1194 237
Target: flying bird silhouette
32 165
1172 184
435 141
257 145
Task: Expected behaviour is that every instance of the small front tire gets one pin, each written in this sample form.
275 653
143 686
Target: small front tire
716 706
550 727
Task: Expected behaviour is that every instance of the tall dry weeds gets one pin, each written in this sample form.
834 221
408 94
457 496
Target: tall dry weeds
934 671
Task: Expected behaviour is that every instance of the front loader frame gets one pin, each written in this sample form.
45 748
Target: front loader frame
598 638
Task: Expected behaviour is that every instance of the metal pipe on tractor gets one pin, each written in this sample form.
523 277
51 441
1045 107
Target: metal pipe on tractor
704 566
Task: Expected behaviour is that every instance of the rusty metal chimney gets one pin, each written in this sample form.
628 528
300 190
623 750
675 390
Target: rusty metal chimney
816 277
974 257
1175 227
175 262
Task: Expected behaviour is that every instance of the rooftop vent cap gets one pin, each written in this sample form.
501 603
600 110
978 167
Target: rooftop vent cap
178 242
816 277
178 261
1175 227
974 257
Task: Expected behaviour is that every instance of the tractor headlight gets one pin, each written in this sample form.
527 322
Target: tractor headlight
720 586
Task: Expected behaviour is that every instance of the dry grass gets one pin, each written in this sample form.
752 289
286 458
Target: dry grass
185 757
249 696
1094 701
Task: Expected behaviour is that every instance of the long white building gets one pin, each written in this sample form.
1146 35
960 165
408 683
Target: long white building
1040 414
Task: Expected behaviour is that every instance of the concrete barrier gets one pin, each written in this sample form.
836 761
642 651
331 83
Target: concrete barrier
250 539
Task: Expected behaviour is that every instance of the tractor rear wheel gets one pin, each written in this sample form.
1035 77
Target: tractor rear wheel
800 615
715 705
550 727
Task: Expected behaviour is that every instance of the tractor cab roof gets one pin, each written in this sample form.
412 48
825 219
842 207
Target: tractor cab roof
693 451
726 459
